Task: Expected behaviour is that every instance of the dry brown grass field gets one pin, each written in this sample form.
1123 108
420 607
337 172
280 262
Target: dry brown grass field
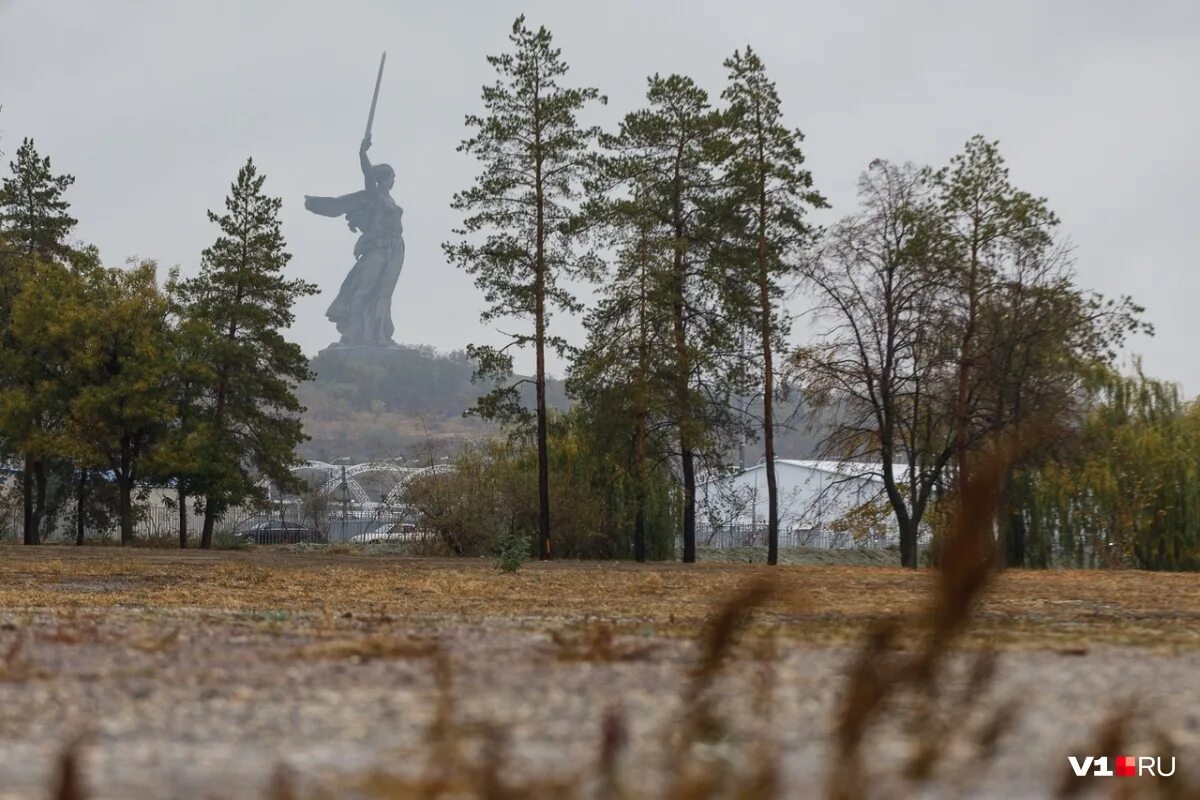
272 674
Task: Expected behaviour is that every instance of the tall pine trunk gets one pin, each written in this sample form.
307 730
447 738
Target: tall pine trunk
80 501
764 310
183 517
125 512
210 506
687 454
769 446
27 495
640 415
689 502
545 550
962 414
34 497
125 502
639 519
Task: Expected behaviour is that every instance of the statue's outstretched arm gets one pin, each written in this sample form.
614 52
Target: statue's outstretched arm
368 177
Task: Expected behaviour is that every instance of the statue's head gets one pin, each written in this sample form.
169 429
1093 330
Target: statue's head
385 176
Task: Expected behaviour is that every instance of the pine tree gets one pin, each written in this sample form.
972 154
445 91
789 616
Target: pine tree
535 156
618 376
771 191
182 458
992 226
35 224
252 424
33 211
666 159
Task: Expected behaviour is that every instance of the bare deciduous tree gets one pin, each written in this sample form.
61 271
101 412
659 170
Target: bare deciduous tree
880 359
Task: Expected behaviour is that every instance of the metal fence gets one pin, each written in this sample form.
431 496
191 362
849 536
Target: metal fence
280 524
12 522
756 536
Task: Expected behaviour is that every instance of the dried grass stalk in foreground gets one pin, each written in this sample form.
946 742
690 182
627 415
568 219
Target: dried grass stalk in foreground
597 642
698 779
880 673
374 646
70 775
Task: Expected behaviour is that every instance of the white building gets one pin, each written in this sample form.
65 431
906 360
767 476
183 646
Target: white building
815 499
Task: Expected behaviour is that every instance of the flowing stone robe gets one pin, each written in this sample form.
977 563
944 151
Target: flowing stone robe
362 309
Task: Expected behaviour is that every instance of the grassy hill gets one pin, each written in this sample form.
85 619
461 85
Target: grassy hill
410 402
399 403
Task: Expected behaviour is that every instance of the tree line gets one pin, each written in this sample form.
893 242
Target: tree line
113 379
948 312
947 318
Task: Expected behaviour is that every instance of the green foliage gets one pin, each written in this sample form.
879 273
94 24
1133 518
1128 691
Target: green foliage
1126 491
994 236
663 170
534 157
85 388
514 551
34 226
125 365
1015 341
48 310
33 211
228 540
770 192
237 307
1025 335
663 210
182 457
491 496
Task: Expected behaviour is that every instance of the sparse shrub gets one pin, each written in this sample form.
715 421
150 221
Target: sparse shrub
492 492
163 541
464 509
228 540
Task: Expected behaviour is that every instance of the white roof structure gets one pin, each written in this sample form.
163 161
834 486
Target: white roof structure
813 494
857 469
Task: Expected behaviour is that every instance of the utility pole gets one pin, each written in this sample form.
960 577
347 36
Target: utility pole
345 501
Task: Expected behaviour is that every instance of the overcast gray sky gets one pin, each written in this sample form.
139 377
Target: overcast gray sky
154 106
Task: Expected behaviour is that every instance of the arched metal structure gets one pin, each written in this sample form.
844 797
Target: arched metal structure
334 474
396 493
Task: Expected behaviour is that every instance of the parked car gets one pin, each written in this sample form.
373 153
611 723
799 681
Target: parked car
399 532
276 532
